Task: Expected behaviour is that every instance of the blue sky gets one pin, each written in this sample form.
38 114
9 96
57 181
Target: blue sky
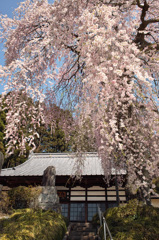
6 7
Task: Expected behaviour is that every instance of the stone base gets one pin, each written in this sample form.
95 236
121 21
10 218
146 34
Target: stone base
50 206
48 199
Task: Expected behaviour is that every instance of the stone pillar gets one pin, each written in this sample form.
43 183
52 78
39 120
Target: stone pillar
48 199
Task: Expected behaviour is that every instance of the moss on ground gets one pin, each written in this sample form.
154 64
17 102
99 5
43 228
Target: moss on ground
29 224
132 221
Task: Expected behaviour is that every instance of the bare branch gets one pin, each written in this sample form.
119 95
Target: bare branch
152 21
139 4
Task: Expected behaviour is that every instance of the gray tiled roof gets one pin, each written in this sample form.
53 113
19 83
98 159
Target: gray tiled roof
65 164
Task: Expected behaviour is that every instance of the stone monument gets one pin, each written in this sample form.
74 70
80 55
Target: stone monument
49 177
48 198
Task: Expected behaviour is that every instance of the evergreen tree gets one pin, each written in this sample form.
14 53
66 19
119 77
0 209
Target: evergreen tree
52 135
52 142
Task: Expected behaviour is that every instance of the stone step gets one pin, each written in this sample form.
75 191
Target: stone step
90 233
83 229
84 224
83 238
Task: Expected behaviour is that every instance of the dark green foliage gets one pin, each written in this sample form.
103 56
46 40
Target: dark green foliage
16 158
4 202
84 138
95 221
133 222
28 224
156 182
56 133
21 197
52 142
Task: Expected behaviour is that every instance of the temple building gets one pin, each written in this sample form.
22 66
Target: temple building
78 198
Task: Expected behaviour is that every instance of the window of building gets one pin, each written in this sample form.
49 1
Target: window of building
64 210
93 209
112 204
77 212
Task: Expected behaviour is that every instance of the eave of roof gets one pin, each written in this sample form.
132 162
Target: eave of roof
66 164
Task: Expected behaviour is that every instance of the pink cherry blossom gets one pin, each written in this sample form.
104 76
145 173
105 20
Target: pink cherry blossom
101 58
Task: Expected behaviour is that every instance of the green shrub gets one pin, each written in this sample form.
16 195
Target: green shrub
133 221
156 182
21 197
95 220
4 202
29 224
